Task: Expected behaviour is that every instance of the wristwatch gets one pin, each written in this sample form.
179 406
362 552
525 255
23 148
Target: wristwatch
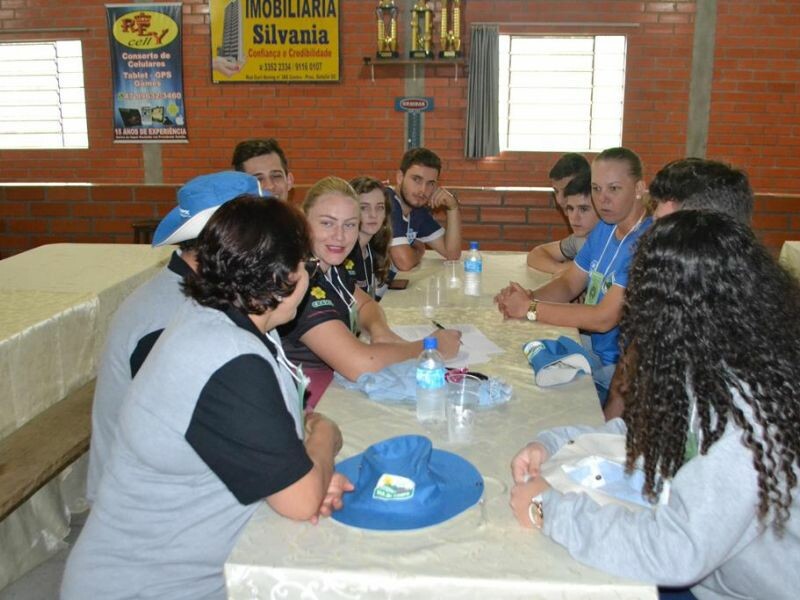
531 314
535 511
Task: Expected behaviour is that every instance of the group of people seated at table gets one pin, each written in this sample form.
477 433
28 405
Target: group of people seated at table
204 390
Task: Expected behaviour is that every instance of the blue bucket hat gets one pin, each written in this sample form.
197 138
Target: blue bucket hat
556 361
197 201
403 483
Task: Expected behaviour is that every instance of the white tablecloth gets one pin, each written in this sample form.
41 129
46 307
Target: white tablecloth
481 553
55 305
790 257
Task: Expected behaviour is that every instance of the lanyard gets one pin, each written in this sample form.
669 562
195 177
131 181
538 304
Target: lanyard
296 373
329 279
369 274
621 243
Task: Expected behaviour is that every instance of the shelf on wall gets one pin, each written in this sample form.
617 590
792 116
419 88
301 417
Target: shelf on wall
432 62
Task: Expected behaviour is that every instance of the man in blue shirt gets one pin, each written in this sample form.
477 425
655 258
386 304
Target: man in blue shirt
413 226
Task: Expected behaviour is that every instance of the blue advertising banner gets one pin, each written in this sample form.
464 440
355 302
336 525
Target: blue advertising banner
147 72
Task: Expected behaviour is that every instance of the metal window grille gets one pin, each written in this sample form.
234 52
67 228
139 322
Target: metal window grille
561 93
42 104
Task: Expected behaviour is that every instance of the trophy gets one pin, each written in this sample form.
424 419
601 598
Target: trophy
387 44
421 30
451 39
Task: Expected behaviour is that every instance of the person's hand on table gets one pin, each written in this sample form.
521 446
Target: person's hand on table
528 462
333 498
448 341
521 495
513 301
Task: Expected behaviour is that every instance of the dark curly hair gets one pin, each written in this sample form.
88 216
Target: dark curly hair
246 253
381 240
708 310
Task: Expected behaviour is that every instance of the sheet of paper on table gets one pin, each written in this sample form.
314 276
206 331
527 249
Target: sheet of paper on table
476 348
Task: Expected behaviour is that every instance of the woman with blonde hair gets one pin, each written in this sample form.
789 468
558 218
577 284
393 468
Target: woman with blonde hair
324 336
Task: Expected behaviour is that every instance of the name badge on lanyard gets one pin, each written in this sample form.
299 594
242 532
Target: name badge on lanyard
594 288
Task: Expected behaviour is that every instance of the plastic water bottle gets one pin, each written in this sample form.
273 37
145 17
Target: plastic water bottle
473 267
431 390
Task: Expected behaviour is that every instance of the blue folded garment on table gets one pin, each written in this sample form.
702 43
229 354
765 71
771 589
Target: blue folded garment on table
397 384
556 361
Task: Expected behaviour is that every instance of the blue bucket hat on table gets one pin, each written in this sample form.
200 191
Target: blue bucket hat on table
403 483
198 200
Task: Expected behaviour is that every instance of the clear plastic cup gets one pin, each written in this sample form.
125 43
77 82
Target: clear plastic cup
462 406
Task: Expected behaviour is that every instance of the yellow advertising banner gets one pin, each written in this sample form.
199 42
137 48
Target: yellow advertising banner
274 40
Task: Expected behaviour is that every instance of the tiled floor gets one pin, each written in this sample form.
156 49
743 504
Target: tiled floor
43 582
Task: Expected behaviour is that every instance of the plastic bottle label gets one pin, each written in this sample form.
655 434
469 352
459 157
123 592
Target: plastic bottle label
473 266
430 379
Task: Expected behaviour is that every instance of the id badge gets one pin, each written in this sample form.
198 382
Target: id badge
594 288
352 311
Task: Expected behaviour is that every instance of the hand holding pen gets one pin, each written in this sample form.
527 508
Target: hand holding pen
449 340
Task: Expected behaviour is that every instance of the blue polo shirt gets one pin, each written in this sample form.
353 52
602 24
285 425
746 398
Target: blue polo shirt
604 253
419 225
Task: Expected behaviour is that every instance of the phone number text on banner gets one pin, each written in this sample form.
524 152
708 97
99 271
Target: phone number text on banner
274 40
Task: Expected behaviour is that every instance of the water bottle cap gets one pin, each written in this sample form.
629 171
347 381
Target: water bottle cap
473 245
430 343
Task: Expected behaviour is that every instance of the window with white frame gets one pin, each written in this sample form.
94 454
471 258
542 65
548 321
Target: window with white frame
43 103
561 93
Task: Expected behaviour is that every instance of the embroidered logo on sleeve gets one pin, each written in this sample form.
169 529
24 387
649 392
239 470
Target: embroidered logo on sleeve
321 298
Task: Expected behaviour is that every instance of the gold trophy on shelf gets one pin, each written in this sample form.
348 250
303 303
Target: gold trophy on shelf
421 30
451 38
387 18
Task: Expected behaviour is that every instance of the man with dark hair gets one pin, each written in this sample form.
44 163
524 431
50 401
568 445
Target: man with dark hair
144 314
566 167
413 226
555 256
265 160
698 183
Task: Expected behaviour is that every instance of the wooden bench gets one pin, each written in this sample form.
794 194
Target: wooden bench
43 447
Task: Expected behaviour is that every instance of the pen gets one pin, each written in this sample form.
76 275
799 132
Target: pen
440 326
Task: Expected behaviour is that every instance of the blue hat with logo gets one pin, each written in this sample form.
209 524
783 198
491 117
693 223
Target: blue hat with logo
556 361
403 483
197 201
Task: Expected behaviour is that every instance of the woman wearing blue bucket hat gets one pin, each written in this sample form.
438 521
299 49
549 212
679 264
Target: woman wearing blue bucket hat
212 423
711 324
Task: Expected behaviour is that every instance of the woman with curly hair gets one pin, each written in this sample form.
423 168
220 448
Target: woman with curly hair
212 423
369 261
712 419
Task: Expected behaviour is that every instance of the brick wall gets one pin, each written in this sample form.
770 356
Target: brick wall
500 219
350 128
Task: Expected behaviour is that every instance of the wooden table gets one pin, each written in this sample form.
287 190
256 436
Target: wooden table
482 553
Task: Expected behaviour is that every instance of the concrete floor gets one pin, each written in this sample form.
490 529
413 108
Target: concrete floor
43 582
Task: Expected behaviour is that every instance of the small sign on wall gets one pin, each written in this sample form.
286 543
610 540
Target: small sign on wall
414 106
274 40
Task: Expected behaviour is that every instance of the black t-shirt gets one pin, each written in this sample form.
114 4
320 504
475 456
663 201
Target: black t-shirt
241 429
324 302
